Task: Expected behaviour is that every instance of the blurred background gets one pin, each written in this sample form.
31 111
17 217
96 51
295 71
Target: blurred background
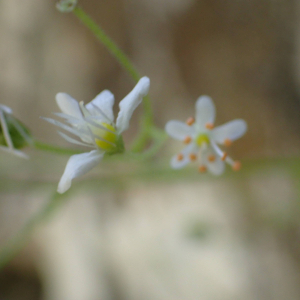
158 236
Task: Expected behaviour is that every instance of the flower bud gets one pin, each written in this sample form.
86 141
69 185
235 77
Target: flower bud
66 6
13 134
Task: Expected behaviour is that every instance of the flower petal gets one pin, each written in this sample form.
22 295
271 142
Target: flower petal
178 164
78 165
68 105
231 130
103 105
82 131
130 103
205 112
179 130
217 166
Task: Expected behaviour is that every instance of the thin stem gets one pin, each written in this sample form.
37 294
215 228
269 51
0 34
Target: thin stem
106 41
158 138
54 149
14 245
144 134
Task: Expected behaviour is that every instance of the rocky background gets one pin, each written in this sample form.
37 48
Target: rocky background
235 237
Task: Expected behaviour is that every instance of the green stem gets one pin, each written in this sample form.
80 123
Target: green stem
144 134
14 245
106 41
158 138
54 149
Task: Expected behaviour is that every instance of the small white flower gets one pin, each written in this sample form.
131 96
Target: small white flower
94 125
203 139
5 115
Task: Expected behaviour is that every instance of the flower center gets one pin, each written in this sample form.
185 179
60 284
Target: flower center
108 138
201 139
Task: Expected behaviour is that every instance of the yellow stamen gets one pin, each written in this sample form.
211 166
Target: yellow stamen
190 121
109 137
201 139
209 126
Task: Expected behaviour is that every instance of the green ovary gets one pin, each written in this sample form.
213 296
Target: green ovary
201 139
108 136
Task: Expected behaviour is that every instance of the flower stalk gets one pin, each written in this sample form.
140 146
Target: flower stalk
147 122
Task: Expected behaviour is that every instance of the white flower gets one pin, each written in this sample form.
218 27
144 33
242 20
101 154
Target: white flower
203 139
94 125
5 116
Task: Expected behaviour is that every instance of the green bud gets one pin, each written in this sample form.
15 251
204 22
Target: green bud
19 133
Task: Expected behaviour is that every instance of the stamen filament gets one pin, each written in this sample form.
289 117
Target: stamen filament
99 110
96 137
85 112
93 123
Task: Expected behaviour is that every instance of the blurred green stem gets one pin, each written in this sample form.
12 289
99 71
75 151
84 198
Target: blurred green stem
16 243
54 149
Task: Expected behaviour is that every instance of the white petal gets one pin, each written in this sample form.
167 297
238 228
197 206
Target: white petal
179 130
205 112
81 131
68 105
78 165
178 164
103 105
216 167
130 103
73 141
231 130
6 109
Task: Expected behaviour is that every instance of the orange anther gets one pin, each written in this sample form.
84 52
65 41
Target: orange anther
180 157
211 158
202 169
190 121
224 156
236 166
209 126
227 142
193 157
187 139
